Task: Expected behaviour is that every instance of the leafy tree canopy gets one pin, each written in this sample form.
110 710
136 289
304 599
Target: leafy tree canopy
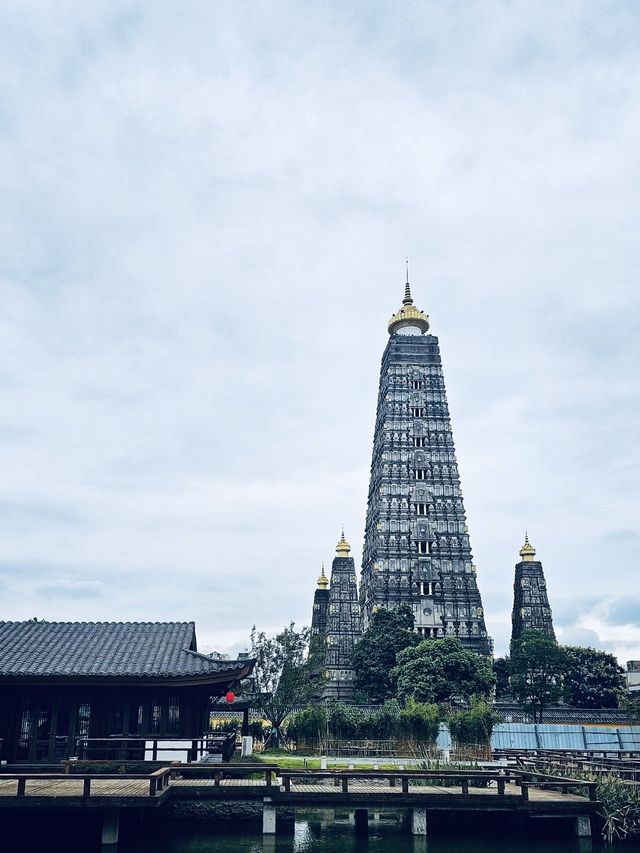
631 704
538 665
437 670
593 679
283 671
374 656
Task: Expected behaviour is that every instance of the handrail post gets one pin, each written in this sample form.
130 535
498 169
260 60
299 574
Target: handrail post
22 784
153 784
287 784
501 787
86 787
405 785
465 786
267 777
524 791
345 784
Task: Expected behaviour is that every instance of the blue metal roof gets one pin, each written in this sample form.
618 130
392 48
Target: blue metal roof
549 736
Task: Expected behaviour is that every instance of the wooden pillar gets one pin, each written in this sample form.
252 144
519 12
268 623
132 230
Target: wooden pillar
110 827
362 822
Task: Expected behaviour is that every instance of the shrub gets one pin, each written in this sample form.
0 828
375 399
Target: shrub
473 726
419 722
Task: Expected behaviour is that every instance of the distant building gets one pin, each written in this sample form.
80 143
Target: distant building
633 676
343 626
531 610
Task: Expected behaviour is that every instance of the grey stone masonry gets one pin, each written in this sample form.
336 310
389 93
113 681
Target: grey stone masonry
320 607
416 548
531 610
343 627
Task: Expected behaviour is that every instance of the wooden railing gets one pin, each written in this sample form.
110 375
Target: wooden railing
603 752
132 748
465 779
598 766
217 773
157 780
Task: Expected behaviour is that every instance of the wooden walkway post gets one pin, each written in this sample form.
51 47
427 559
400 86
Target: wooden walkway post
362 821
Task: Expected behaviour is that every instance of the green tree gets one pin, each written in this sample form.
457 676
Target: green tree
593 679
631 705
374 656
283 672
538 665
501 672
438 670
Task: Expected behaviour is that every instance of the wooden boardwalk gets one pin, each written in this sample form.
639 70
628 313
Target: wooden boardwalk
342 790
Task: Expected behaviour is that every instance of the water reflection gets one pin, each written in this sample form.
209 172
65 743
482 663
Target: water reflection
328 832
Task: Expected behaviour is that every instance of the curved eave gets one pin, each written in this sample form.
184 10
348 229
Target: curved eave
129 680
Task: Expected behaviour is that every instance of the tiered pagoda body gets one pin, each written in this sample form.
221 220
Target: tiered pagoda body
343 626
531 610
416 548
320 608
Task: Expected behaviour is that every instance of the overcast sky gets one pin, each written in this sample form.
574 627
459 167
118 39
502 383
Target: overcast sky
204 213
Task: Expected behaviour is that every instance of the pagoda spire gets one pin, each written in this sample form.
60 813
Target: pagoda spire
527 552
409 319
323 581
343 548
408 299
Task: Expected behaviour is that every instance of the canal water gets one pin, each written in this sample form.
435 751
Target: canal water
311 832
313 835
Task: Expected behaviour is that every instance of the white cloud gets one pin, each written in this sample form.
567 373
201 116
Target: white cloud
204 223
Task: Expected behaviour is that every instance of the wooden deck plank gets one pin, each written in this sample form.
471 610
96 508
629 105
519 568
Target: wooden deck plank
323 791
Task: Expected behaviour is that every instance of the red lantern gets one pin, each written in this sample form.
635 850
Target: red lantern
230 696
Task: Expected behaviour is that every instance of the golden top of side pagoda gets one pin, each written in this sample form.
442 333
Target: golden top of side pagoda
343 548
527 552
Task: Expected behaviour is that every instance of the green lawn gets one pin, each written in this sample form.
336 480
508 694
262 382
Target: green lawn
289 761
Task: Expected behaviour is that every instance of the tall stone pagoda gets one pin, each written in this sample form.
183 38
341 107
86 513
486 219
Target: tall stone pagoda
416 548
343 626
320 607
531 610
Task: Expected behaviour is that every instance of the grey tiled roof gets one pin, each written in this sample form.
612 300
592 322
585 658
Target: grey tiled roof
102 649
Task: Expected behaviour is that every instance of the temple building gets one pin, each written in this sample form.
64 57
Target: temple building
342 627
531 610
96 686
320 607
417 548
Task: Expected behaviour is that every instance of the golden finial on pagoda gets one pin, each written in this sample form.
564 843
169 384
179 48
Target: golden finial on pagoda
323 581
343 548
527 552
408 316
